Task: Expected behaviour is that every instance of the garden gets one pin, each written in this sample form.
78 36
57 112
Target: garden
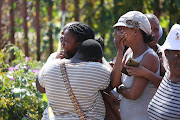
19 99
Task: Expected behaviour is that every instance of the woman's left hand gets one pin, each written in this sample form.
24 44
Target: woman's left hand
60 55
139 71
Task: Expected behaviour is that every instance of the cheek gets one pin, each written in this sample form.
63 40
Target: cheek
62 43
66 46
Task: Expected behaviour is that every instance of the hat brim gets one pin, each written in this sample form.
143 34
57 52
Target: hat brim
174 45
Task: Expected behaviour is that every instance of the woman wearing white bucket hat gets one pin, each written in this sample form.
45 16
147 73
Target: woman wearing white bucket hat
133 30
165 104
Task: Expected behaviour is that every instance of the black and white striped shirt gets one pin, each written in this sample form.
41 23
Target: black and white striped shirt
86 79
165 105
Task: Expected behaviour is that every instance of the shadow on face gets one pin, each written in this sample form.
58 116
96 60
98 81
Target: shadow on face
173 57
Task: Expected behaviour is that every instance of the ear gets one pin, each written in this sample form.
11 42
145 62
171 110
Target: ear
135 32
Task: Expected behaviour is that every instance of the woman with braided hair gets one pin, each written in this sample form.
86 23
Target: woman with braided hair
72 35
80 31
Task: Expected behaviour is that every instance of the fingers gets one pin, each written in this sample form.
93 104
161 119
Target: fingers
129 67
131 70
122 36
60 55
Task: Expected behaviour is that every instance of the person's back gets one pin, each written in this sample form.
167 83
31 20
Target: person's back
86 79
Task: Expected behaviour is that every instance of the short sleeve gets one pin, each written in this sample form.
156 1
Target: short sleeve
41 75
104 78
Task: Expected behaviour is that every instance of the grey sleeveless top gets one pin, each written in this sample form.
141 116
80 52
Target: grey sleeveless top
137 109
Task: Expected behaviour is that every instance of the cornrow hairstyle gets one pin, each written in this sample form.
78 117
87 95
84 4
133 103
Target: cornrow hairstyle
70 23
81 32
90 50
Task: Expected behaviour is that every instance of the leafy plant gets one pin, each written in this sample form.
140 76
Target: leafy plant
19 98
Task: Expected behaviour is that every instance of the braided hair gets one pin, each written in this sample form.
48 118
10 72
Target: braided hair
81 32
101 42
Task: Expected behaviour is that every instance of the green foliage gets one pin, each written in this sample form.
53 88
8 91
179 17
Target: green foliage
101 15
19 99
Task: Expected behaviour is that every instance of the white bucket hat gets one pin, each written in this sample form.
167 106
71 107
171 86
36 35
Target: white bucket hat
135 19
173 39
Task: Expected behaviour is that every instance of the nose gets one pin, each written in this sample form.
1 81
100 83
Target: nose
61 38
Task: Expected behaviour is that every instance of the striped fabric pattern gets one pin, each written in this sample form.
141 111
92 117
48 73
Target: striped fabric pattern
165 105
86 80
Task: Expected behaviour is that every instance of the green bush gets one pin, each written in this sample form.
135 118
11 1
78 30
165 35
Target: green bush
19 98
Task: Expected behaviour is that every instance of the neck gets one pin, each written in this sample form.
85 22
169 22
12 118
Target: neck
77 59
139 49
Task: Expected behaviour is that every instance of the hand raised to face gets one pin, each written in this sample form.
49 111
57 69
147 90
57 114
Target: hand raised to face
119 38
61 54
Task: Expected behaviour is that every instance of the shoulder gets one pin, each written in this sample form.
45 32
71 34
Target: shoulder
51 57
50 66
150 53
150 60
98 67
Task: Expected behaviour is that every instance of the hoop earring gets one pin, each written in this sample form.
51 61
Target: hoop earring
135 33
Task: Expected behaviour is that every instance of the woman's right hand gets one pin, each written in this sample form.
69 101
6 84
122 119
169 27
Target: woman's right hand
119 37
120 40
60 55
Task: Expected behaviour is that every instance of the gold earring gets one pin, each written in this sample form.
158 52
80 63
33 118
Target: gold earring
135 33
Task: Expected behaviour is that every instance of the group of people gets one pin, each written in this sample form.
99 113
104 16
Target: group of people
73 78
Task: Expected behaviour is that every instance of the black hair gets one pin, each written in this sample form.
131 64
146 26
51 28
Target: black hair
81 32
147 38
90 50
101 42
70 23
